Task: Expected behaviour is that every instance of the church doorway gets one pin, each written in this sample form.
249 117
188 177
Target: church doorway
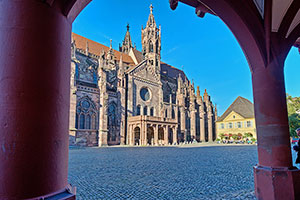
137 135
150 136
170 136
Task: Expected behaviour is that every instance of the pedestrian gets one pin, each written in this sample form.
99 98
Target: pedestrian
297 147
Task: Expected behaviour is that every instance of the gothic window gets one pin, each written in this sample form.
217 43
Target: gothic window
86 114
138 110
76 121
94 122
145 110
82 120
88 122
151 47
112 120
152 111
157 46
166 113
173 113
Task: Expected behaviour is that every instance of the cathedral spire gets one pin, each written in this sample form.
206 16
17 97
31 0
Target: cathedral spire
151 20
127 43
151 42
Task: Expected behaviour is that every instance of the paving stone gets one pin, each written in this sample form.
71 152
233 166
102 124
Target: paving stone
219 172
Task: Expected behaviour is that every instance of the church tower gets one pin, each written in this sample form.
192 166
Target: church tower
126 44
151 41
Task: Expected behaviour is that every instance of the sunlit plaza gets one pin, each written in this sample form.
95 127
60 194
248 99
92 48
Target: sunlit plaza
218 172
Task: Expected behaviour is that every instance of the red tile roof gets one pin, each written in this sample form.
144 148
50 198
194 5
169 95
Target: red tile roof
96 48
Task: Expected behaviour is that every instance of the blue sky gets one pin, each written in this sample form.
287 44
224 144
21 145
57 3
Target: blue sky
203 47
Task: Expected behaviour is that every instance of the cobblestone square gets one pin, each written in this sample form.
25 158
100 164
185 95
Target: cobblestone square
222 172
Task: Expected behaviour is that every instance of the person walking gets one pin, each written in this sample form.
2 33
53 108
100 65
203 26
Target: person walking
297 147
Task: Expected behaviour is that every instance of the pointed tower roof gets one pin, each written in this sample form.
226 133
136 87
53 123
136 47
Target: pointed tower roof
127 43
151 21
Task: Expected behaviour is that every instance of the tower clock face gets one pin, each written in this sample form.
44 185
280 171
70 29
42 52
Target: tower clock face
145 94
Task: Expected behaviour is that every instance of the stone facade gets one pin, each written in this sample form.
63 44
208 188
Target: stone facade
132 97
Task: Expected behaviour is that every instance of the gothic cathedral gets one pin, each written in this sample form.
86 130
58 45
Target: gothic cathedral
131 97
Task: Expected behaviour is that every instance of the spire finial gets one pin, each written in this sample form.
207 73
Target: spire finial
151 8
111 43
128 26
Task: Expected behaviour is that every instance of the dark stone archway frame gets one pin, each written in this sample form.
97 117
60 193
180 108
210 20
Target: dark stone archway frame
35 39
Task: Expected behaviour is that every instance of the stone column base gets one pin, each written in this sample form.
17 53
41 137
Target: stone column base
69 193
276 183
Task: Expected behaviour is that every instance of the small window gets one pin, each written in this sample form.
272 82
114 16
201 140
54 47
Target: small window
173 113
138 110
152 111
166 113
239 124
145 110
230 125
249 123
222 126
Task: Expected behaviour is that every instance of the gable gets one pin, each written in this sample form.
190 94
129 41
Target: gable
146 72
233 116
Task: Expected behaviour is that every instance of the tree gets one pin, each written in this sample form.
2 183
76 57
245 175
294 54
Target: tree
222 136
235 136
248 135
293 105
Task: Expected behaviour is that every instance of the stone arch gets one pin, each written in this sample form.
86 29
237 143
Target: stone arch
161 133
137 135
150 135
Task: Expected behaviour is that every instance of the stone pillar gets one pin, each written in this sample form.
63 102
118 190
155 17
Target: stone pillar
275 177
34 100
166 135
210 126
175 130
193 125
182 123
103 131
130 135
142 133
156 135
202 126
73 99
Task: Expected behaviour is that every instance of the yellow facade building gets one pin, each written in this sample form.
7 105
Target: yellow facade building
237 119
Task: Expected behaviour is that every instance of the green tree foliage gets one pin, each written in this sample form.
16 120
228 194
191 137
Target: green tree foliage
293 104
248 135
222 136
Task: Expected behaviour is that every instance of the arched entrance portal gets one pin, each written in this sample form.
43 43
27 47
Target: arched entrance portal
150 136
137 136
